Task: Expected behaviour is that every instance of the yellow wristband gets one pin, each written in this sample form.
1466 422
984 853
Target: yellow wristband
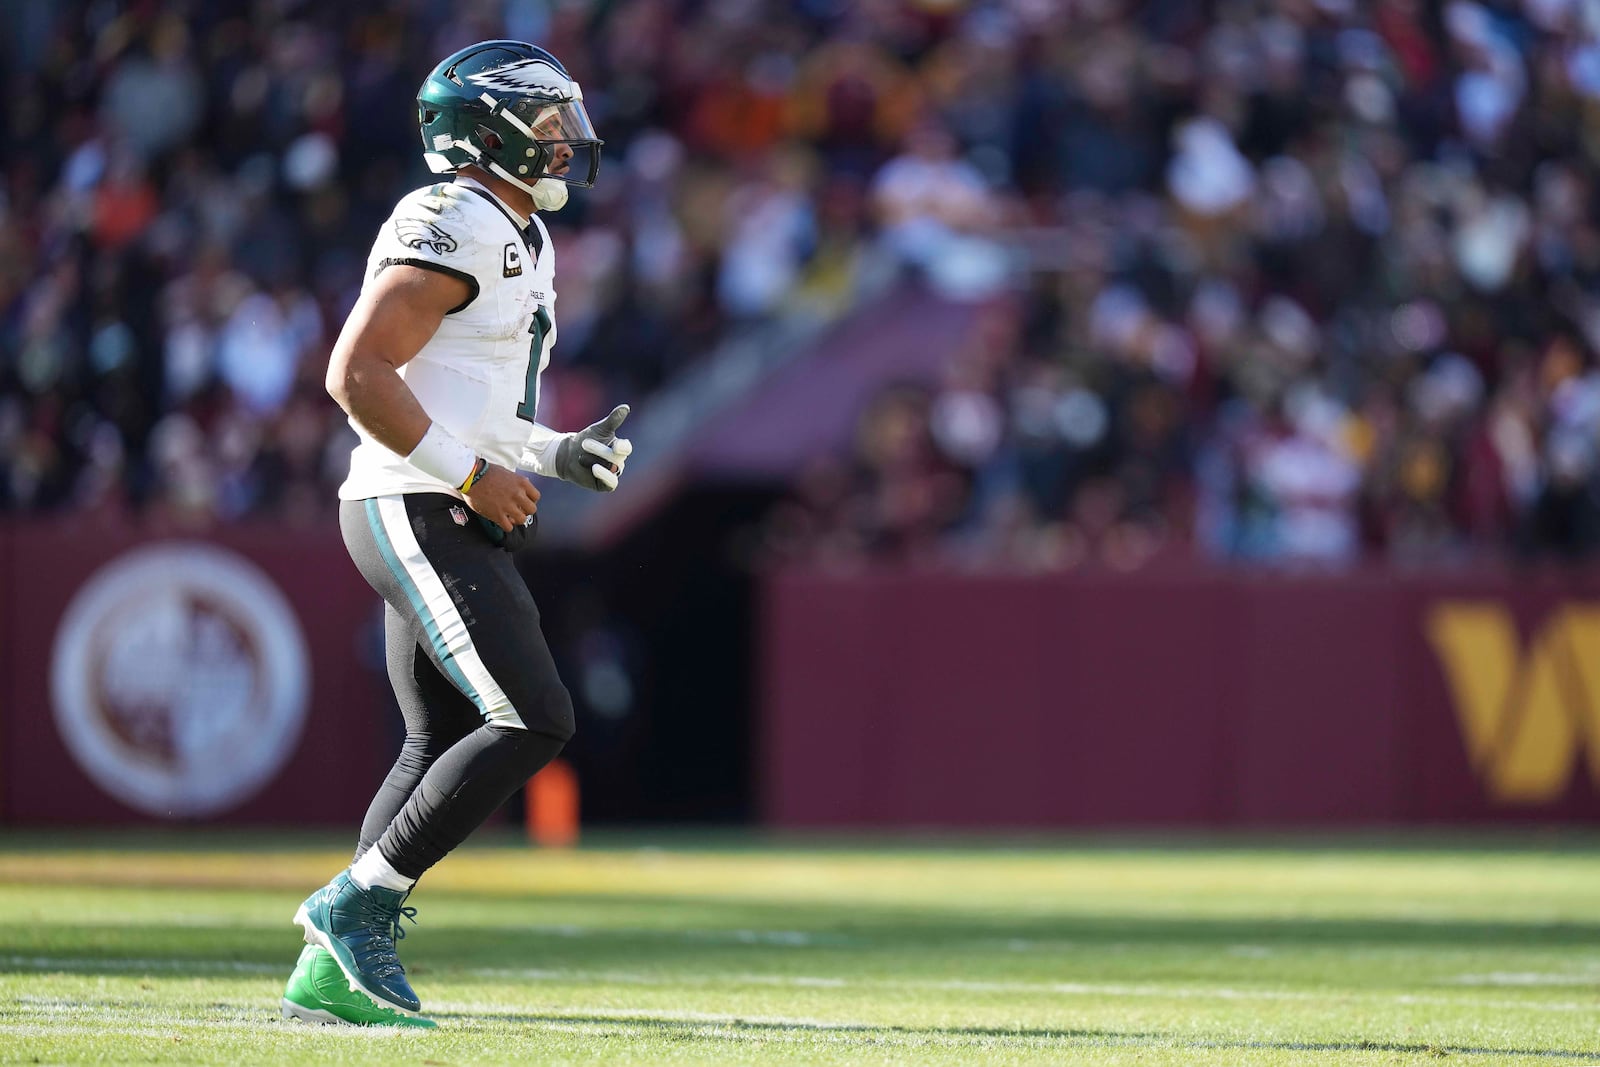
477 472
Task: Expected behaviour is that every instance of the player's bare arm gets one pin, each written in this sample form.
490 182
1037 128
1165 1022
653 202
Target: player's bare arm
394 317
390 323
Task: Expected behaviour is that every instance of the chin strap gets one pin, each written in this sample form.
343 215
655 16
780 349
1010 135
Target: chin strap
549 194
488 164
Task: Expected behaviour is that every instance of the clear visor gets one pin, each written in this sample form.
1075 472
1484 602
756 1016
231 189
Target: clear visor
564 129
564 121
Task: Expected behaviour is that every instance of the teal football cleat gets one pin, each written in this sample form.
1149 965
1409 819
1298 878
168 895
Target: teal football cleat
359 927
318 992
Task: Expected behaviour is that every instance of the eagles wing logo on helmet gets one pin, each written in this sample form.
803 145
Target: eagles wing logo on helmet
525 76
414 233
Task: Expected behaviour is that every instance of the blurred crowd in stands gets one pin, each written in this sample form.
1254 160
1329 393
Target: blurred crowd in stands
1297 280
1307 281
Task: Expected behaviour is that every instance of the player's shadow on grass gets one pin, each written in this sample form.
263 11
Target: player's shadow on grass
736 1029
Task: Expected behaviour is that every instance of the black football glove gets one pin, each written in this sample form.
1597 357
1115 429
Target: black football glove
587 457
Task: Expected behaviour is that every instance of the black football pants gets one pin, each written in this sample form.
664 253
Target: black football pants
483 707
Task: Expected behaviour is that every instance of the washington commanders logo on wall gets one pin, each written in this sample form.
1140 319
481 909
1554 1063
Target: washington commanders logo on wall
179 678
1530 714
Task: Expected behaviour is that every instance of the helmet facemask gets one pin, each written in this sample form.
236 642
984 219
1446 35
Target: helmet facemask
557 141
546 141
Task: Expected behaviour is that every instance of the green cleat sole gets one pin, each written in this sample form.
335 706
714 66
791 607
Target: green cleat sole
319 992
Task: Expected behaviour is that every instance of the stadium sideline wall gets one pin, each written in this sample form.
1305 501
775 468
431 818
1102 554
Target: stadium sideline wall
237 676
231 674
1172 698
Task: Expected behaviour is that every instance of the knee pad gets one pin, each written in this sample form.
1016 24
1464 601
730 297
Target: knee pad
550 714
554 716
524 752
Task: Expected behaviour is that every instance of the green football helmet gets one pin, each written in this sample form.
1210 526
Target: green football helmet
506 106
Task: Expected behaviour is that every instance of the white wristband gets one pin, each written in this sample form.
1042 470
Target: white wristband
444 457
539 453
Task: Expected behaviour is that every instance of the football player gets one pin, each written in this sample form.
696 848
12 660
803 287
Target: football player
438 368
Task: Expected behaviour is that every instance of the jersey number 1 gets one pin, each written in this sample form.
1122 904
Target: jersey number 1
530 390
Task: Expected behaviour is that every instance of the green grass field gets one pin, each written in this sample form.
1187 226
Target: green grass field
681 951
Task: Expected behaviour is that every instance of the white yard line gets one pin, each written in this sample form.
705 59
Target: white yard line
647 1017
780 1030
1524 979
1060 989
668 979
774 938
757 1030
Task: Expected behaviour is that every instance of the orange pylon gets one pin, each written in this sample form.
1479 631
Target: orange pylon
552 806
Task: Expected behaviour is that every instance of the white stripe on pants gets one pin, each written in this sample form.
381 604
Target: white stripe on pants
488 695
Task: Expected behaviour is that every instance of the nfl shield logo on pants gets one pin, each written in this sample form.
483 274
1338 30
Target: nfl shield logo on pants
458 513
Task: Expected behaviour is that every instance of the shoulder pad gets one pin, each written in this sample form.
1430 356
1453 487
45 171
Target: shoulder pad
434 220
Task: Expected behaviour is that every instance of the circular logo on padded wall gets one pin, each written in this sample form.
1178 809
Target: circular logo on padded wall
179 678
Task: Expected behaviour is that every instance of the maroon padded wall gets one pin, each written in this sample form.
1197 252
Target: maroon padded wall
1186 697
329 767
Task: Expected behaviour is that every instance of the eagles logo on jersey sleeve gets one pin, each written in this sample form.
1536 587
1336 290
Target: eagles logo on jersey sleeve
414 233
432 228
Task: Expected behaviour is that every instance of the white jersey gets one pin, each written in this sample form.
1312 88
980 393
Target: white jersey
478 375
